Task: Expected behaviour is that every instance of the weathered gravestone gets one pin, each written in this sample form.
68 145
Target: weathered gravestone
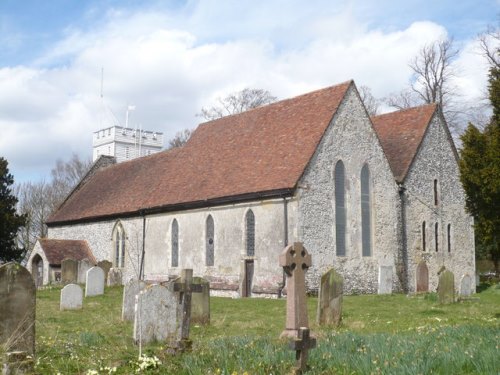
94 284
200 303
71 297
156 314
295 261
422 277
302 344
114 277
17 317
446 287
465 286
105 266
83 266
385 280
69 271
131 289
330 298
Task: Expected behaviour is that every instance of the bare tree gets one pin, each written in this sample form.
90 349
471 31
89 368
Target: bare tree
489 42
180 138
65 176
371 103
431 81
237 102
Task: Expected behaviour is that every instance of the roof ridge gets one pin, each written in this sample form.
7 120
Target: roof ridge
403 110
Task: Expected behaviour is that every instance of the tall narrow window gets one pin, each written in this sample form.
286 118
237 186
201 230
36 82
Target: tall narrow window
175 243
423 236
449 237
250 233
340 215
365 212
209 239
436 200
436 235
119 246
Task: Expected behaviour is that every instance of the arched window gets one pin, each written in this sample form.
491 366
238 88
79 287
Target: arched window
119 246
340 214
175 243
436 235
423 236
365 212
209 241
449 238
250 233
436 198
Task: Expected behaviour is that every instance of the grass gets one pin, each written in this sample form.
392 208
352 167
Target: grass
390 334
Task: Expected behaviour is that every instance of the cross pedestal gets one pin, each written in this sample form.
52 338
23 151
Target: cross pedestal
295 261
185 288
301 344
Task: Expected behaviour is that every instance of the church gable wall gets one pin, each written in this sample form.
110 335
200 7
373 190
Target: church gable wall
435 160
350 138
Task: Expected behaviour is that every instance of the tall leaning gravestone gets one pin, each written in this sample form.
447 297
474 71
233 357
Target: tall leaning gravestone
17 312
446 287
330 298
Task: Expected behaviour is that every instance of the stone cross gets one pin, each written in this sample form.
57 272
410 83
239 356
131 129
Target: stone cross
301 344
295 261
186 287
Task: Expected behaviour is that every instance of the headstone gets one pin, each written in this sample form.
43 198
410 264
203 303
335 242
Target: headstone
465 286
478 280
156 315
422 278
106 266
83 266
295 261
385 280
446 287
131 289
69 271
330 299
200 303
301 344
17 313
114 277
185 287
94 284
71 297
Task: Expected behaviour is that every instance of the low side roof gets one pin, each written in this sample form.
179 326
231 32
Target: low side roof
263 150
401 134
57 250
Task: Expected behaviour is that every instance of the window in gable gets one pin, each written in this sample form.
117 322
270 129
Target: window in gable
436 198
175 243
436 235
340 211
449 237
423 236
365 212
209 241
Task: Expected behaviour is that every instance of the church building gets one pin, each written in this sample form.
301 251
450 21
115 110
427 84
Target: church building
379 199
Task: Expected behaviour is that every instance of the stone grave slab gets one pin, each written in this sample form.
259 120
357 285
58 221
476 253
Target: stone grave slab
105 266
17 309
157 315
200 303
114 277
446 287
465 286
385 279
131 289
69 271
83 266
94 284
422 277
330 298
71 297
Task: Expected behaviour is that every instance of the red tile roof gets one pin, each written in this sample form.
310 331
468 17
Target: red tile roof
57 250
401 134
262 151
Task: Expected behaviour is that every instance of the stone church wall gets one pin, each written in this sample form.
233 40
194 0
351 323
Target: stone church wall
436 161
352 139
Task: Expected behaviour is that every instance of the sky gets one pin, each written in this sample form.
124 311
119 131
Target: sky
171 58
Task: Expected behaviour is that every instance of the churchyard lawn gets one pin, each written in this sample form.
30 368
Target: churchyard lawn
386 334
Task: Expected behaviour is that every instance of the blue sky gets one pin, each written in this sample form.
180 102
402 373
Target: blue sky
170 58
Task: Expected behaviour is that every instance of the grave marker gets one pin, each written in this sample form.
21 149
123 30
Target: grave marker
295 261
83 266
17 312
200 303
105 265
114 277
446 287
131 289
71 297
301 344
465 286
94 284
385 280
69 271
422 278
330 298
